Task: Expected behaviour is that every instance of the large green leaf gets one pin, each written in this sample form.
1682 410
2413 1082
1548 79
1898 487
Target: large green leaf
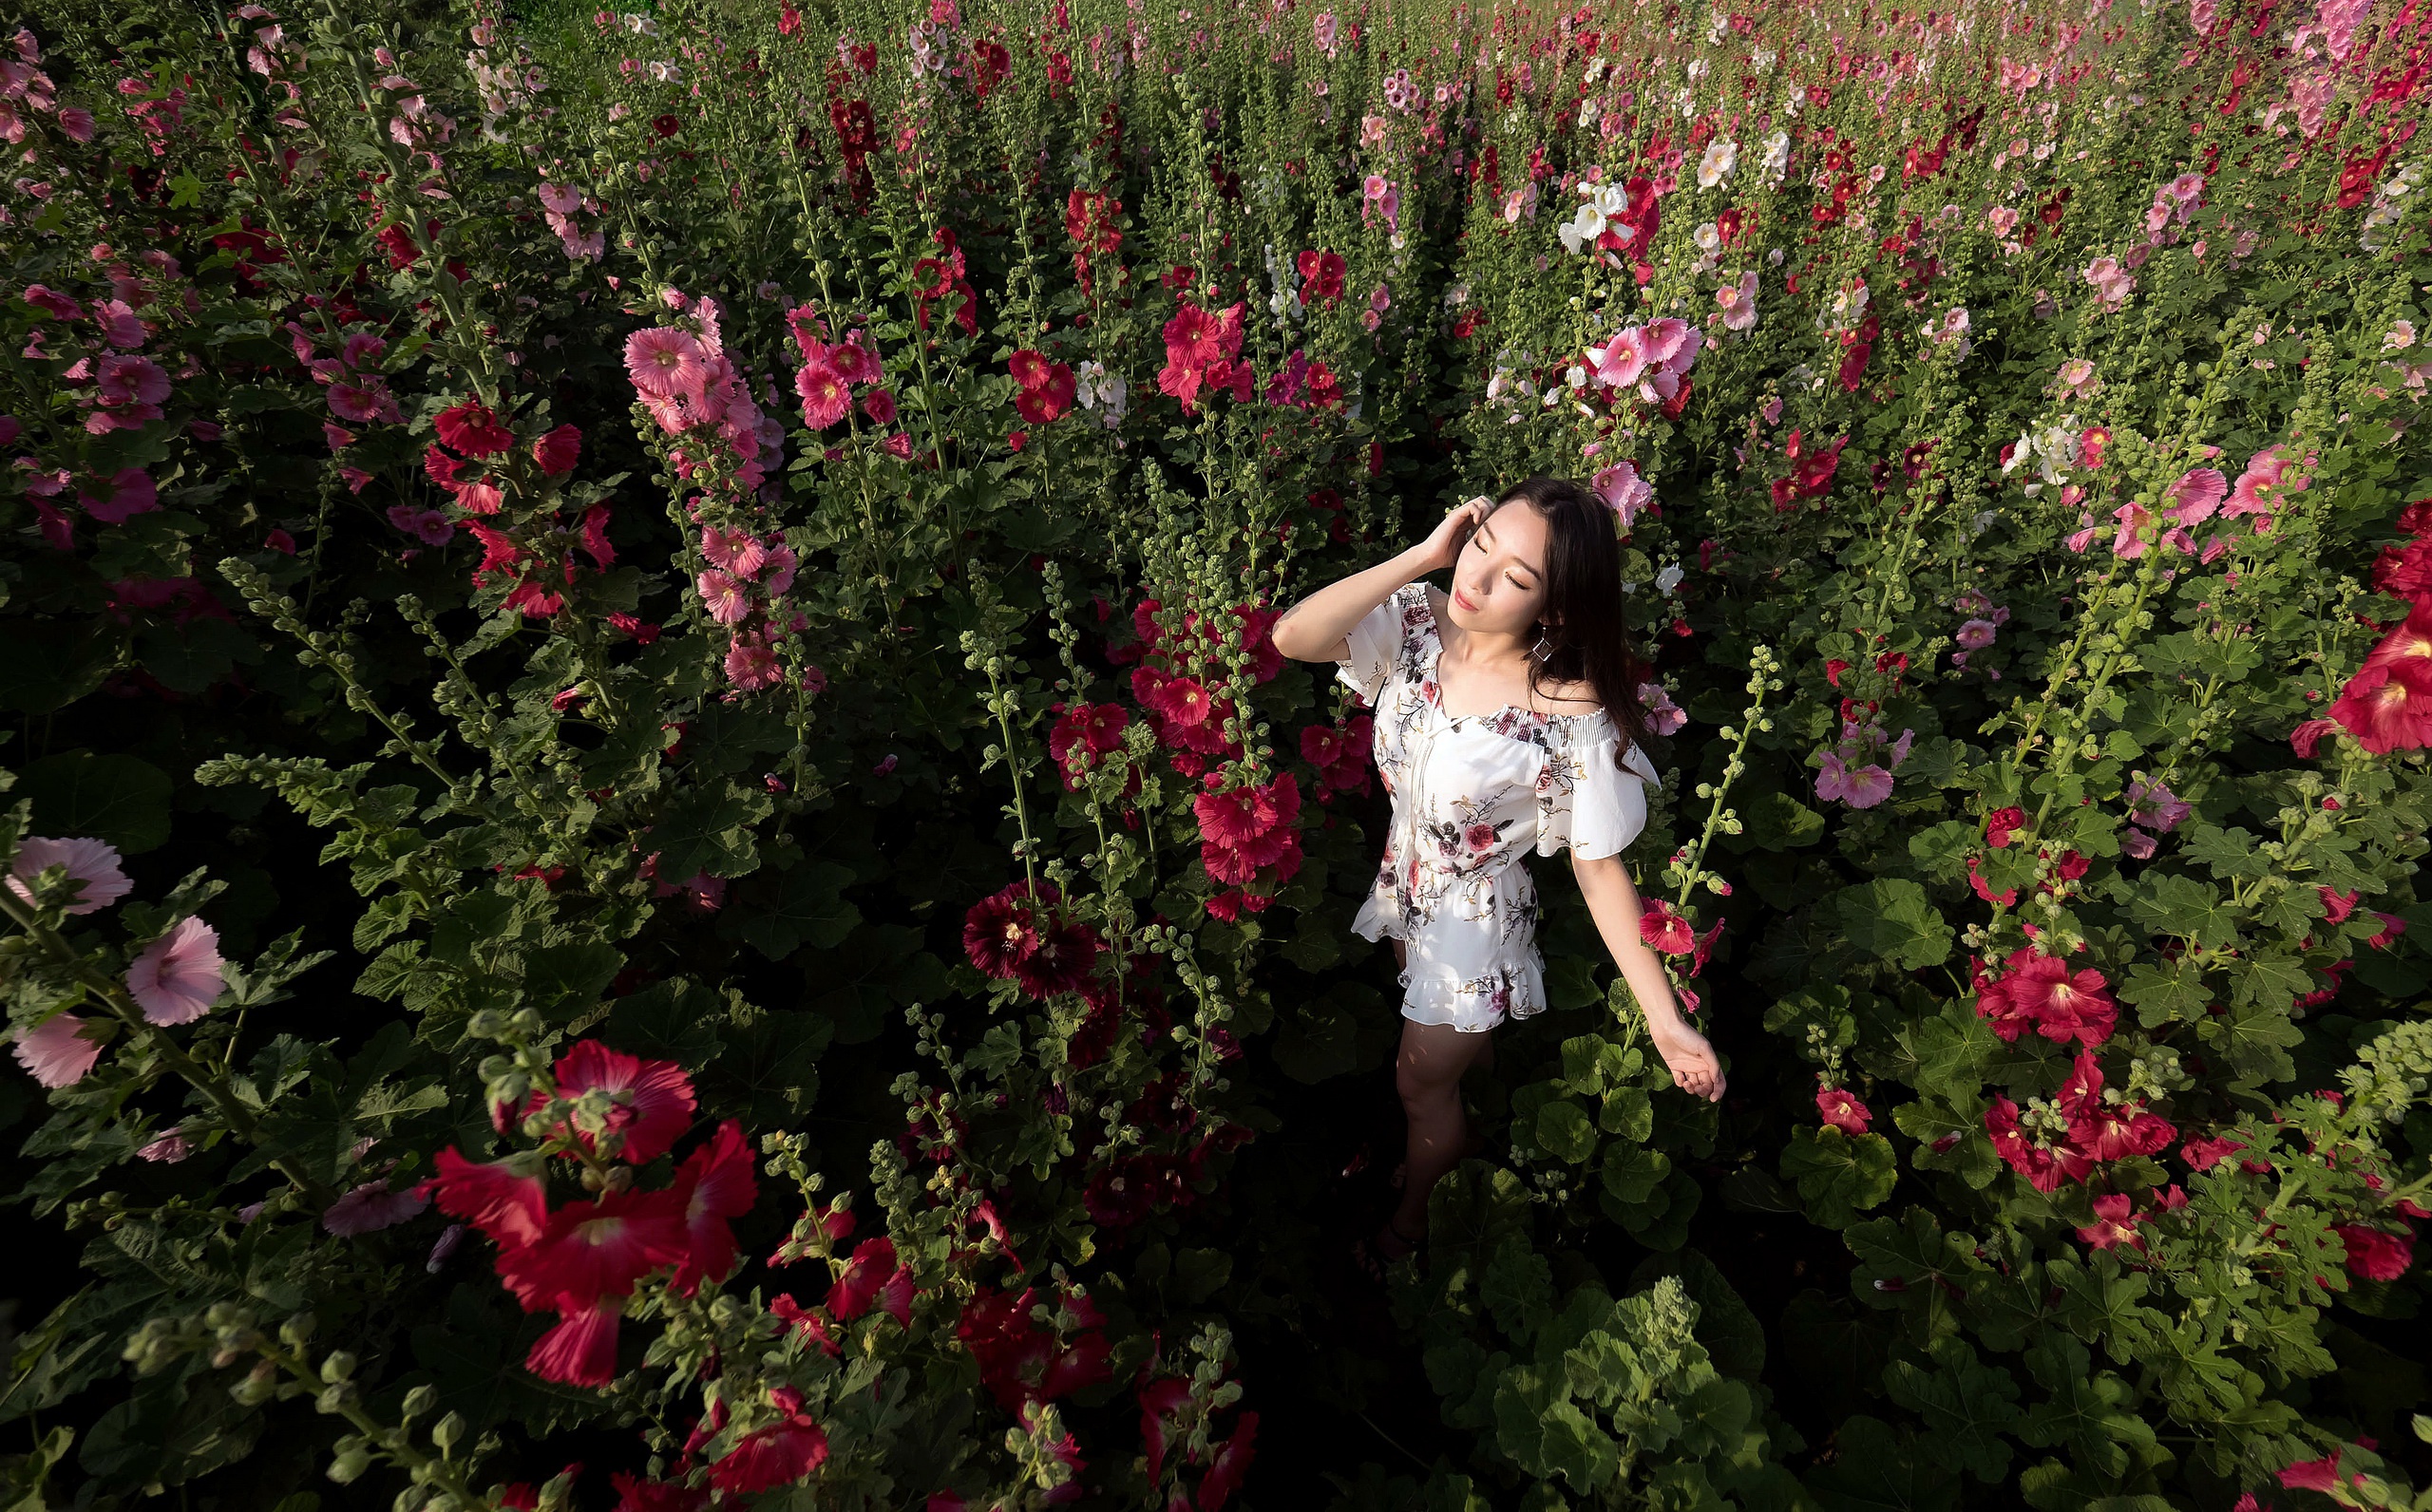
119 799
1838 1175
1892 919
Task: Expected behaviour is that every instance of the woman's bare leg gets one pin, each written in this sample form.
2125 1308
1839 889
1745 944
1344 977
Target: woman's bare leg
1428 1076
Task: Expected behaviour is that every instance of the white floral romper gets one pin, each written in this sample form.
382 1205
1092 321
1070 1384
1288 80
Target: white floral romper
1471 795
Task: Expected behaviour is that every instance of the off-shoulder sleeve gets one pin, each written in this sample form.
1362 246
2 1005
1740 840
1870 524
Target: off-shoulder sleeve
1375 643
1583 800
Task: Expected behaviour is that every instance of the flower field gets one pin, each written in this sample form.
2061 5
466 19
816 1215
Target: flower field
655 857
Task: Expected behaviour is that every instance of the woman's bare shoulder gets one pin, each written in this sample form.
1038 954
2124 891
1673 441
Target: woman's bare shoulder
1575 698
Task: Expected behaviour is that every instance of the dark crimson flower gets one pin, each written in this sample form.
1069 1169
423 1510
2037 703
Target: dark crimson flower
471 428
2375 1253
2001 824
1666 931
1232 1462
656 1496
1006 928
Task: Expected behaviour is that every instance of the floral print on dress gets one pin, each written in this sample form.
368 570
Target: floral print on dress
1472 794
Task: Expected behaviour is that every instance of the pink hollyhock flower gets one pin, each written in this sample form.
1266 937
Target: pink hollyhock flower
665 362
1841 1110
1664 716
750 666
120 327
55 1051
2264 486
131 493
92 863
727 601
168 1150
1976 635
2203 1154
880 406
2132 517
1860 787
177 977
363 349
654 1118
2114 1223
2387 707
430 526
2314 1475
1232 1462
2307 736
1622 487
1737 302
371 1207
2153 806
826 398
2196 494
2040 1167
130 381
781 564
1622 359
2064 1004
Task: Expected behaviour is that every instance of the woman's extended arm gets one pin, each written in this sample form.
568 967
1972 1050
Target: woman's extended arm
1613 902
1317 629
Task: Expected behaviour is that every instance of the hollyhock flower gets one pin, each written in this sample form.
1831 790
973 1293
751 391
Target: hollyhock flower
130 383
1664 716
91 862
130 492
588 1251
177 977
873 1264
1232 1462
505 1198
2040 1167
2376 1255
582 1350
2100 1130
1664 930
806 1324
557 451
371 1207
2064 1004
2313 1475
471 428
780 1454
2202 1153
2114 1223
167 1150
2387 707
1619 363
2411 641
1737 302
1065 952
2156 807
2264 486
2001 825
727 598
827 397
1976 635
2198 493
1860 787
752 665
55 1051
1841 1110
880 406
717 1185
665 363
646 1122
1620 487
1002 930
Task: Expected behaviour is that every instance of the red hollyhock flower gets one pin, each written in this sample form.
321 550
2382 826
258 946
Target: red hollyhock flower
591 1250
1232 1462
582 1350
872 1265
2203 1154
1006 928
645 1124
2375 1253
505 1198
2001 824
2103 1130
441 466
2040 1165
716 1184
656 1496
2389 706
2411 641
780 1454
2314 1475
1666 931
1030 369
2066 1005
809 1325
1159 1400
557 451
471 428
1050 399
2113 1223
1842 1111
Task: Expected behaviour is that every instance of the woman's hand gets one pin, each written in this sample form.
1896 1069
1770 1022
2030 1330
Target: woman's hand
1443 547
1694 1068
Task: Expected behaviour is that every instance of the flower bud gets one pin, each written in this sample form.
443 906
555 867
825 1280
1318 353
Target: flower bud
420 1400
447 1432
339 1366
353 1457
296 1332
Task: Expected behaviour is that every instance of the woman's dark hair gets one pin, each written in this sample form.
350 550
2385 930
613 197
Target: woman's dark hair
1592 642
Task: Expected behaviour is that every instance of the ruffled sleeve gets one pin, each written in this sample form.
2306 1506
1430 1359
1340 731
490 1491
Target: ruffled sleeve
1376 644
1583 800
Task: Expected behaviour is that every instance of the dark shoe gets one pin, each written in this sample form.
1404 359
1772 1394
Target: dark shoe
1383 1248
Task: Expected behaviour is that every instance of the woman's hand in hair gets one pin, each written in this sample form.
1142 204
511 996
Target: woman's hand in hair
1443 547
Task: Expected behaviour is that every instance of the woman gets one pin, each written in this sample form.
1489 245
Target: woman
1505 720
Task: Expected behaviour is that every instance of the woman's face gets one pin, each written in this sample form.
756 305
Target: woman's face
1499 581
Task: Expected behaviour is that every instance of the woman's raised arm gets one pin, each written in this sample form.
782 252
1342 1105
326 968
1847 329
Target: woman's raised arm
1317 629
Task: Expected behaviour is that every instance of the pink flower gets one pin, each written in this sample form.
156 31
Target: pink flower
1841 1110
826 398
55 1051
371 1207
726 599
131 492
1976 635
2132 519
2261 489
131 381
92 863
665 362
177 977
119 325
880 406
168 1150
1861 787
751 666
428 526
1619 362
1621 486
2196 495
1662 715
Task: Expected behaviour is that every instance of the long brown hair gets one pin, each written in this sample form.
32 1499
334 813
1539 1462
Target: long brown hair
1592 642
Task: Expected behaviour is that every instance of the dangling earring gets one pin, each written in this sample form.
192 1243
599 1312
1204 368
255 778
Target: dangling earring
1538 650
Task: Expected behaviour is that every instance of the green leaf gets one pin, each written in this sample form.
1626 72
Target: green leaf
47 663
1892 919
119 799
778 913
2171 903
1777 822
704 830
1839 1175
563 981
1878 1469
1967 1405
1564 1132
1518 1287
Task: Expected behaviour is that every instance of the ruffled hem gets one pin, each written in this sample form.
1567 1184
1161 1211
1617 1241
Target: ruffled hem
1441 1000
